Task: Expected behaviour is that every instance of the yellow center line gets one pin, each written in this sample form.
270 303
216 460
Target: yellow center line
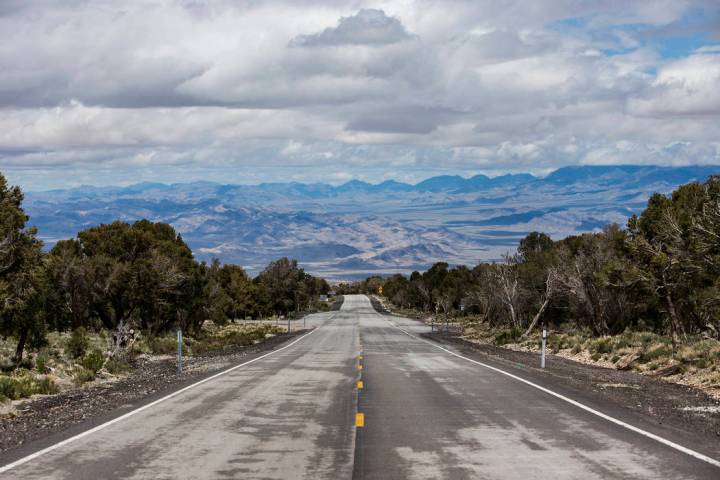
360 384
359 419
359 367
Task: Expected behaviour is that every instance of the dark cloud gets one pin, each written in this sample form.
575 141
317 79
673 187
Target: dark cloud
367 27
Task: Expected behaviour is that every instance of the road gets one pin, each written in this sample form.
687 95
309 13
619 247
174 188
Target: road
428 414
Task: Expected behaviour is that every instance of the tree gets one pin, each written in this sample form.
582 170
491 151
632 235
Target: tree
281 279
506 278
22 277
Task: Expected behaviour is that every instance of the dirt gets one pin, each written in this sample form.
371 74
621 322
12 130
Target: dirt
40 416
680 406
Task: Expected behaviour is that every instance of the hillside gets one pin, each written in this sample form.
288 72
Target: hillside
358 228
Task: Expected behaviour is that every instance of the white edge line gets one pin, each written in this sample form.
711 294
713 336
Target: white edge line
49 449
605 416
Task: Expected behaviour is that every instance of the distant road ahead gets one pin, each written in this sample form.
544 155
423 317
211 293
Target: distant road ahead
428 414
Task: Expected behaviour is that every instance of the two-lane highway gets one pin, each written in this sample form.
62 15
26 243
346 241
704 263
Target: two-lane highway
429 413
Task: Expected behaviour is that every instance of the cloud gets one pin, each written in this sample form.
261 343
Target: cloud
289 89
689 86
367 27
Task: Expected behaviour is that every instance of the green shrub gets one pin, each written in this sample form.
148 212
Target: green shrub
576 349
116 366
78 343
24 386
7 387
601 345
702 363
41 363
595 356
655 353
162 345
45 386
83 375
504 337
615 358
94 360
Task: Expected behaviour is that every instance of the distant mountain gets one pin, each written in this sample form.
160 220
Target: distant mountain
359 228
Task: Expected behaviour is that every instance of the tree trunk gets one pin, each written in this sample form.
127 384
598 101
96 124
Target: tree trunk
21 345
675 325
512 314
536 318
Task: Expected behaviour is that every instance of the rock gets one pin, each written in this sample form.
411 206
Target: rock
667 371
626 363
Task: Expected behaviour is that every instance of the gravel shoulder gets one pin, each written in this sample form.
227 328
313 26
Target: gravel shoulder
45 420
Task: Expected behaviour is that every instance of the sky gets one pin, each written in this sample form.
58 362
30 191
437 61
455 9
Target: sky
106 92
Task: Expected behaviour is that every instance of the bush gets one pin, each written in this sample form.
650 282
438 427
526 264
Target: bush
45 386
83 375
94 360
162 345
601 345
7 387
655 354
507 336
41 363
116 366
25 385
78 343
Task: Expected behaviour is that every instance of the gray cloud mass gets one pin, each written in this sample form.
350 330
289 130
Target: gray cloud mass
95 91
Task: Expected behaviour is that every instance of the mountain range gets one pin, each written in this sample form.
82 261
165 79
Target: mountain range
358 228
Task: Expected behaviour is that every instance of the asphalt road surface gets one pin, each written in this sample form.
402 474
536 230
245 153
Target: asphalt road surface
426 414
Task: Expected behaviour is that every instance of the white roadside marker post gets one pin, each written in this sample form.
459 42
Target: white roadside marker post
542 354
179 351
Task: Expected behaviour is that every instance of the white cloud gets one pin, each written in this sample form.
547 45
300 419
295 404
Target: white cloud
687 86
393 88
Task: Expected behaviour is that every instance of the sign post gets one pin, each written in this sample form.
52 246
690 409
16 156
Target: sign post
179 351
542 354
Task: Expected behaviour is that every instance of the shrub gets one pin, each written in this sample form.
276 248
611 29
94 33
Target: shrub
94 360
7 387
504 337
655 354
595 356
25 385
83 375
45 386
601 345
116 366
78 343
41 363
162 345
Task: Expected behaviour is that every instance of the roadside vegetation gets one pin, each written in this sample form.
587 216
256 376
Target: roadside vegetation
645 297
89 305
